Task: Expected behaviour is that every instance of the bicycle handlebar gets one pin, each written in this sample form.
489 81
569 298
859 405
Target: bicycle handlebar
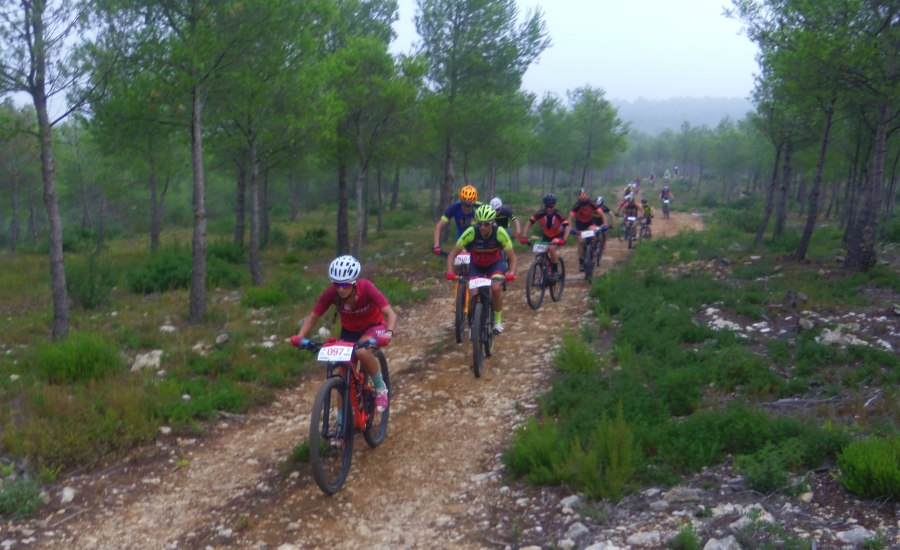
316 346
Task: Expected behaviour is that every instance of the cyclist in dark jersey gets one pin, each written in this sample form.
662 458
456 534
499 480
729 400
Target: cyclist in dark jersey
505 215
461 212
630 208
608 216
584 212
485 242
555 226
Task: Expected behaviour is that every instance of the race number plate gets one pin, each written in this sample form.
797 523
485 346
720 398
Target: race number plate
539 247
588 234
666 201
632 218
336 353
463 259
479 282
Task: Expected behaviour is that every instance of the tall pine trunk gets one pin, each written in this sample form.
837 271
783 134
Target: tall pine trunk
198 241
861 254
32 222
255 267
240 204
295 198
395 188
264 226
786 175
360 208
101 230
14 226
447 185
365 231
343 231
380 203
816 185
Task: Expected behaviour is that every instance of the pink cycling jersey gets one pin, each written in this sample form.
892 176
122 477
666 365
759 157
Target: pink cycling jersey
366 312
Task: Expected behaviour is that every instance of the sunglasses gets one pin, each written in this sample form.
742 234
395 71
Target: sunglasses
344 285
484 224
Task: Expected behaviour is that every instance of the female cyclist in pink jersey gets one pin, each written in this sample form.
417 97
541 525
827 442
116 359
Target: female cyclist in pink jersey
365 315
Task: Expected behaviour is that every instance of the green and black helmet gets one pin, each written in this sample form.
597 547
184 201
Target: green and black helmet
485 213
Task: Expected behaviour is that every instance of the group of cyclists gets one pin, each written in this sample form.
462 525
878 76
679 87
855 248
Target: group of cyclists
483 232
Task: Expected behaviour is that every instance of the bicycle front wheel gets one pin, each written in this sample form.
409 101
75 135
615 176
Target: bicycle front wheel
534 285
556 289
331 436
488 330
621 233
589 260
477 335
376 429
460 315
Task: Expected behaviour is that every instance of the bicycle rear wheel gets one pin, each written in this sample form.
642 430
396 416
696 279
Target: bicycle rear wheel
598 251
556 289
477 335
589 260
534 285
331 436
488 330
460 315
376 429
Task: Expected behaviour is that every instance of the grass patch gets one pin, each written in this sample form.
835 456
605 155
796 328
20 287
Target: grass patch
265 296
90 281
167 269
400 291
870 468
20 497
82 358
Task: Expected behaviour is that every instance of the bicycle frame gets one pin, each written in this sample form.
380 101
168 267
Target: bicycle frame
355 379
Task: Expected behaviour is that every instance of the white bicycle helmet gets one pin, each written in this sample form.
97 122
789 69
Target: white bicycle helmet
599 200
344 269
496 203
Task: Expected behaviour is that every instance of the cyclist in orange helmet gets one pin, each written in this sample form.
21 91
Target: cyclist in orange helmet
462 212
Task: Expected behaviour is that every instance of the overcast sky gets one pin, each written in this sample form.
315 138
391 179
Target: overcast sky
655 49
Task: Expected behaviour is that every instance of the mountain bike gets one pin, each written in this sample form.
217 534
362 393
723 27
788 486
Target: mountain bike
344 405
665 208
629 230
539 277
593 249
481 321
644 232
461 304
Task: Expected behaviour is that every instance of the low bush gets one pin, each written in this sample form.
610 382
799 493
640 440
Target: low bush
83 357
870 468
400 291
535 453
278 237
265 296
228 251
90 281
166 269
686 539
575 355
301 289
604 468
402 219
313 239
222 274
291 258
20 497
768 469
892 231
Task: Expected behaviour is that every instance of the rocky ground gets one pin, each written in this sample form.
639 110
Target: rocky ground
436 482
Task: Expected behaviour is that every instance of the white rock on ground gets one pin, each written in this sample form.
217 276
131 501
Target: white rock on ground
565 544
288 547
644 538
728 543
68 495
576 530
603 546
857 535
570 501
147 360
168 329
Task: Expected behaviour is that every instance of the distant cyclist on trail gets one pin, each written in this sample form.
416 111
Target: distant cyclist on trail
584 212
668 175
462 212
505 215
365 315
666 193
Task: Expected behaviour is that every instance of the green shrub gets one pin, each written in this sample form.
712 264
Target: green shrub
78 239
709 200
746 220
892 231
219 226
574 355
786 243
220 273
278 237
228 251
686 539
265 296
83 357
20 497
166 269
90 281
870 468
768 469
291 258
402 219
313 239
604 468
400 291
301 289
535 453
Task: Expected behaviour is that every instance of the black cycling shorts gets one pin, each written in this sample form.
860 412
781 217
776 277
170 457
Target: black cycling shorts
494 270
583 226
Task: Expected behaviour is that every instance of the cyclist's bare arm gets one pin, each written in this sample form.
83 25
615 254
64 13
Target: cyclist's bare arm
390 318
437 231
527 228
511 256
307 325
518 227
451 258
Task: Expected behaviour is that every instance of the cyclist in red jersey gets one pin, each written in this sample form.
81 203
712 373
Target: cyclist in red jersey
555 226
585 212
365 315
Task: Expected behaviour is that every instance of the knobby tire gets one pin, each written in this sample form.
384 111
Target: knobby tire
477 335
556 289
460 311
488 330
331 464
376 430
534 285
589 261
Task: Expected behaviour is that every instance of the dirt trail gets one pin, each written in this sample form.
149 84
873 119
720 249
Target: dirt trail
428 486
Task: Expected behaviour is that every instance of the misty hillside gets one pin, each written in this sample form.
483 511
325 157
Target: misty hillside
654 116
